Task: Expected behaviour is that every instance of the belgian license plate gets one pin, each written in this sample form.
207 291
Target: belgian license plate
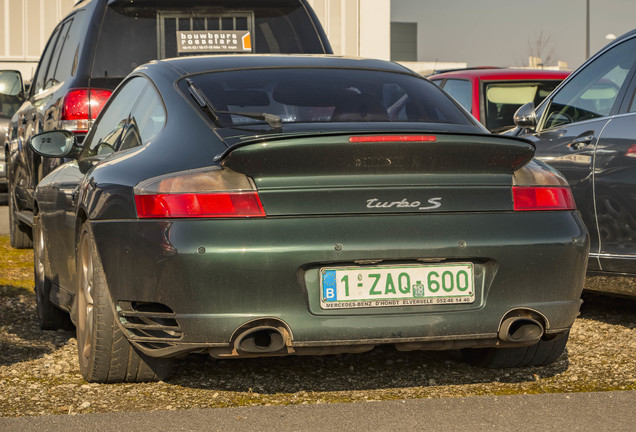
406 285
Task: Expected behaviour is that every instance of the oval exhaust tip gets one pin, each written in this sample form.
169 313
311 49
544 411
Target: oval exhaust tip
520 330
260 340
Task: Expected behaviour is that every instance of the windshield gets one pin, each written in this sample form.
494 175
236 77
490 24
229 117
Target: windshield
186 27
315 95
10 93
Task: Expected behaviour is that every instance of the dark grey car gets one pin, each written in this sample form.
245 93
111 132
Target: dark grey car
587 130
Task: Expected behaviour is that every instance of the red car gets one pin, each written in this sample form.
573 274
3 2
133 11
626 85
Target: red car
493 95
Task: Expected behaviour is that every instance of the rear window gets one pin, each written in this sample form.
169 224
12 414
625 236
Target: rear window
132 35
504 99
313 95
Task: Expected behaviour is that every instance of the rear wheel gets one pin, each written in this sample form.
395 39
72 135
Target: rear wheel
105 355
542 353
50 317
19 233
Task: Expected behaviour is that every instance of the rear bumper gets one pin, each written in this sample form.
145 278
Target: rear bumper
212 277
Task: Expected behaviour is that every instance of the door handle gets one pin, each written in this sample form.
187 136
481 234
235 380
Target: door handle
581 142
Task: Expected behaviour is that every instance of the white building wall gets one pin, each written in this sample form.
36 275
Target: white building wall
25 27
360 28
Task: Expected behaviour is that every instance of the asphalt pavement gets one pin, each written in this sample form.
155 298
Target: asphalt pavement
609 411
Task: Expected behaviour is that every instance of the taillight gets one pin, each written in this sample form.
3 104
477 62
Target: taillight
202 193
532 198
392 138
538 187
81 107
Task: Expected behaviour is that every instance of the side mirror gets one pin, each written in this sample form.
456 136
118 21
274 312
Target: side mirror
526 117
11 83
55 144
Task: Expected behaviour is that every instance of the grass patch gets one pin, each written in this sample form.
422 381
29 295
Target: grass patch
16 269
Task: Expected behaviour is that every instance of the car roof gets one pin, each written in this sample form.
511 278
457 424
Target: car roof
196 64
503 74
622 37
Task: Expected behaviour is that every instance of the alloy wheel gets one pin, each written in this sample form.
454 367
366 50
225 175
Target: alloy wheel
85 302
38 254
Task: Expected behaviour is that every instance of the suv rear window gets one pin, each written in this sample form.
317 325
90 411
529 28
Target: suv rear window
307 95
504 99
133 35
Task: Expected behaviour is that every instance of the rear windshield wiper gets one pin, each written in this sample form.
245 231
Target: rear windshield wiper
272 120
202 100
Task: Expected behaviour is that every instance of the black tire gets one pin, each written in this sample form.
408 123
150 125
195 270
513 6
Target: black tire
50 317
19 233
105 355
544 352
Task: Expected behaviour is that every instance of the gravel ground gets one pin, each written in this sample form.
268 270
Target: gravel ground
39 374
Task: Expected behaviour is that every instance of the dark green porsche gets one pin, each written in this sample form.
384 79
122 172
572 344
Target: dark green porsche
248 206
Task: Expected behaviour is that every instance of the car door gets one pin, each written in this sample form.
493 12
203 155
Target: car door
615 187
574 118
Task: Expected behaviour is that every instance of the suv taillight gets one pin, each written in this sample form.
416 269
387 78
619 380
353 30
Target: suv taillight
81 107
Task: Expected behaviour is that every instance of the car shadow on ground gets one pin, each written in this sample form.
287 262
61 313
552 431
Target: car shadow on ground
382 368
21 338
609 309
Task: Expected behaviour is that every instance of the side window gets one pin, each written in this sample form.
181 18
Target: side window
70 45
630 102
49 79
105 135
592 93
38 80
147 118
460 90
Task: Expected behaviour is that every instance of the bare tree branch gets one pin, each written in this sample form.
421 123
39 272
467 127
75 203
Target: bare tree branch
541 47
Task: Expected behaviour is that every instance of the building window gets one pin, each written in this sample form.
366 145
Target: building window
403 41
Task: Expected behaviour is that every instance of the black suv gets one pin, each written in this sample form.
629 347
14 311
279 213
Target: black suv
101 41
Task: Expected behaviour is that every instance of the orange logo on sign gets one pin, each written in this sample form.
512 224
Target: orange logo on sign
247 42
